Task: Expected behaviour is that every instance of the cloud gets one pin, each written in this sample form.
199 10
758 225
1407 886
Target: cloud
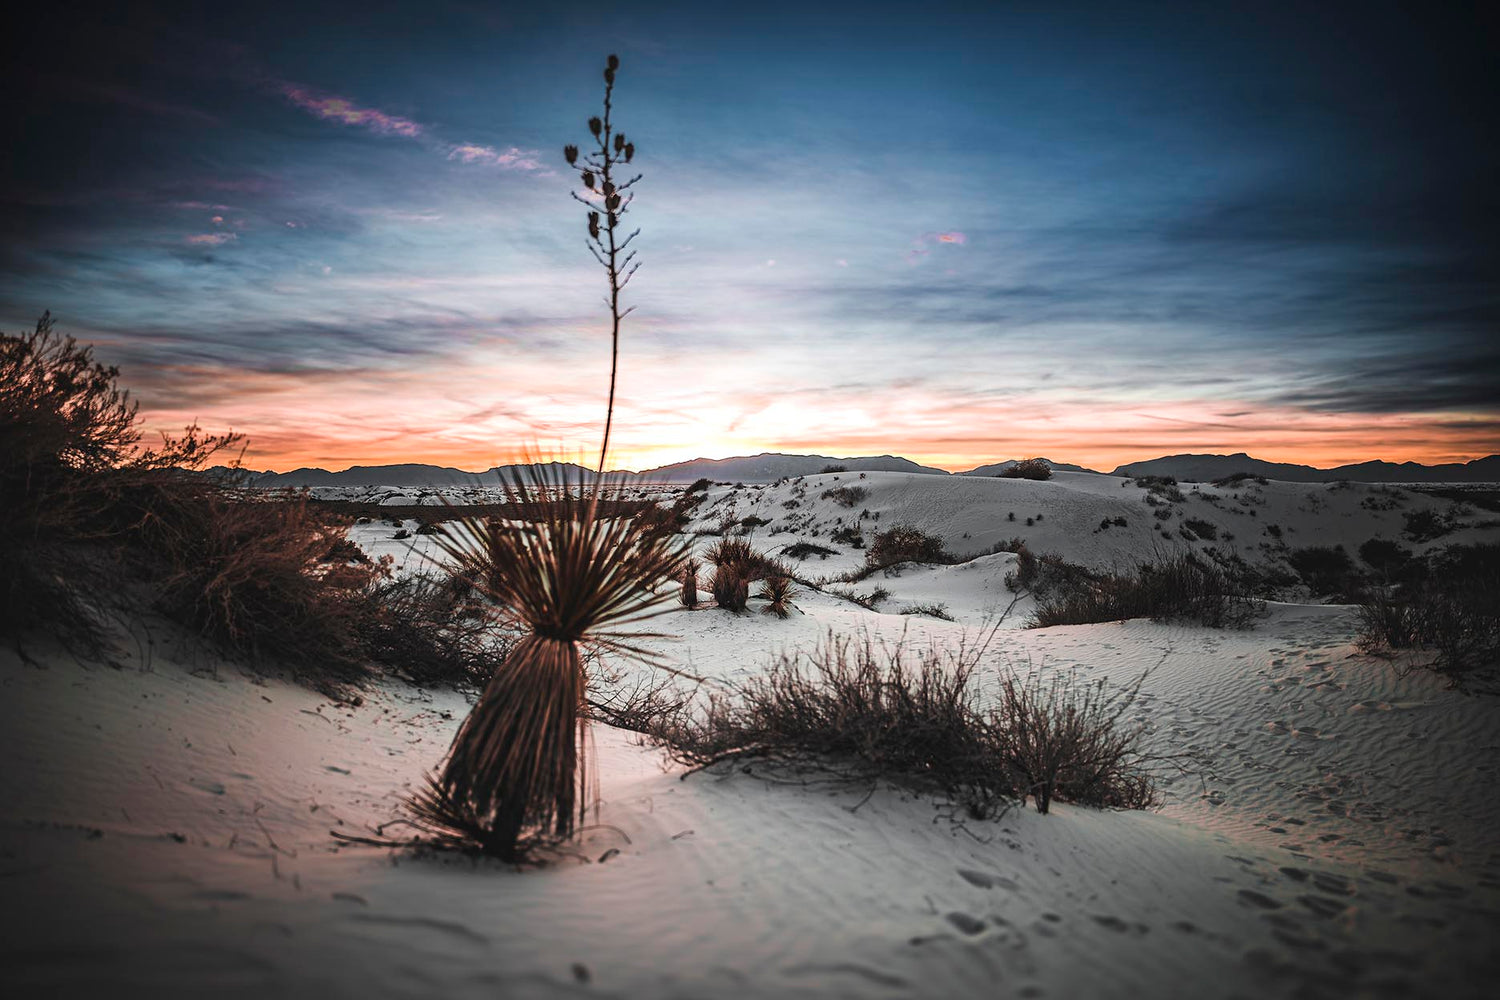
210 239
341 109
511 159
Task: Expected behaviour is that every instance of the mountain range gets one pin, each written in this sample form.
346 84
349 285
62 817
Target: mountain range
770 466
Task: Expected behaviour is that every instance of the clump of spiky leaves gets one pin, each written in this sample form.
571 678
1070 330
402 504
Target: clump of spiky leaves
571 567
689 595
730 586
777 591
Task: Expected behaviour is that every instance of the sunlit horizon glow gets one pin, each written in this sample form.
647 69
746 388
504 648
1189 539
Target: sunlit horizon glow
971 237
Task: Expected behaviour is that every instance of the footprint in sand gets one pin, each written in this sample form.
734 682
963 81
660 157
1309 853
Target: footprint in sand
1250 897
985 880
966 924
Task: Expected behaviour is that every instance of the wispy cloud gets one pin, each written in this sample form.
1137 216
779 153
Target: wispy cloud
341 109
510 159
211 239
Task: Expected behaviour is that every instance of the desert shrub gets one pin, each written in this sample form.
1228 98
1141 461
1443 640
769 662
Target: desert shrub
929 610
801 550
1236 478
401 534
860 710
640 702
730 586
1384 555
1325 569
1163 488
1201 528
1045 574
846 496
849 535
689 595
1452 610
905 544
867 600
777 591
1068 741
434 630
430 528
1426 524
1014 544
834 468
698 486
752 564
1177 589
1029 468
751 522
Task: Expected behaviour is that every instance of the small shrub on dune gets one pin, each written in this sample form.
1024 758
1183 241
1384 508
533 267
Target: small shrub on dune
1178 589
1068 741
801 550
751 563
777 591
1452 611
861 710
689 595
1030 468
846 496
730 587
1384 555
1325 569
904 544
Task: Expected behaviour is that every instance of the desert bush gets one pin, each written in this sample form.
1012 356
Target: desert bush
1176 589
1236 478
801 550
867 600
834 468
1029 468
689 595
434 630
698 486
730 586
1452 610
1384 555
905 544
929 610
862 710
849 535
752 564
1065 740
1201 529
777 591
1426 525
1325 569
846 496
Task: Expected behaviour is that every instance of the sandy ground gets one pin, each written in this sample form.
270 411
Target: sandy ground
166 831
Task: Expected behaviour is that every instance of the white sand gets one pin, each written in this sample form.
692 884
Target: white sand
166 832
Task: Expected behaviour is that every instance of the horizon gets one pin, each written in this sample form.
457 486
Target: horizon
1093 235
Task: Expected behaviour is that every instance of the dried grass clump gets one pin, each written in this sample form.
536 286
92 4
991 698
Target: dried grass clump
1068 741
777 592
1450 606
862 710
689 594
748 561
567 576
730 586
1175 589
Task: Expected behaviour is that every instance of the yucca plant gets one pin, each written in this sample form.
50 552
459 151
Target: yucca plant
777 591
572 565
690 584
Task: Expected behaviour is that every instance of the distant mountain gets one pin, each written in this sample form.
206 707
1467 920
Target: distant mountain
408 475
999 467
753 468
1206 468
769 467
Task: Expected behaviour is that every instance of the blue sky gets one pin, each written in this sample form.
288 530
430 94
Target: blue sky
962 233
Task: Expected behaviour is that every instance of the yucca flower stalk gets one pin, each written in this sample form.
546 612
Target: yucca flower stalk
573 564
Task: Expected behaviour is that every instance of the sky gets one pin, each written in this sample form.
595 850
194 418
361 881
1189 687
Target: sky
960 233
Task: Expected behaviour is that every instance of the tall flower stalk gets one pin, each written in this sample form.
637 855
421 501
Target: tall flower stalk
573 564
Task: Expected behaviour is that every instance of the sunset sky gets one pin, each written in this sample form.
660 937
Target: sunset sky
958 233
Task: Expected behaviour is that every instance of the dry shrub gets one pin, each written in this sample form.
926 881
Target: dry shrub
1067 740
434 630
777 591
1175 589
746 559
846 496
730 587
859 709
1452 609
689 595
1029 468
903 543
